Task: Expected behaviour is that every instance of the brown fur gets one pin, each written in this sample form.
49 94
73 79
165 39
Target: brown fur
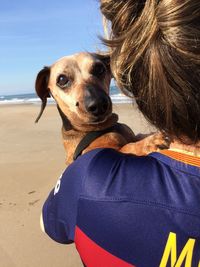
77 121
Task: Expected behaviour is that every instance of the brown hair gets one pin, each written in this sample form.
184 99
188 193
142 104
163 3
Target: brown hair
155 57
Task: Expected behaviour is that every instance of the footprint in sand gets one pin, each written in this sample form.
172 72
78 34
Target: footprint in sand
33 202
31 192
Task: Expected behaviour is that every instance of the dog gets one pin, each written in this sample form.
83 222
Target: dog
80 85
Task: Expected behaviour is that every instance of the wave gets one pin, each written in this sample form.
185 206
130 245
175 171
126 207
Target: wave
116 97
120 98
4 101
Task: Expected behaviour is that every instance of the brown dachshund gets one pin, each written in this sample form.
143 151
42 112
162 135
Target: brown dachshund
80 86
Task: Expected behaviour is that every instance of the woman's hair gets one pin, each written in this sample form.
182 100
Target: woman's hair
155 57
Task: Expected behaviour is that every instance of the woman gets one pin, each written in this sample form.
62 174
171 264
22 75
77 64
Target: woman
123 210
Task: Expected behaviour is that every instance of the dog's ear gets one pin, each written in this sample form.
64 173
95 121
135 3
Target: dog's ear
41 88
105 58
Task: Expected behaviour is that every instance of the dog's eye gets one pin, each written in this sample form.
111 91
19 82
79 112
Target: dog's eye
63 81
98 69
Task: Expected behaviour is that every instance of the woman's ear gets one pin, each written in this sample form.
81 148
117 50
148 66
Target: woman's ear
41 88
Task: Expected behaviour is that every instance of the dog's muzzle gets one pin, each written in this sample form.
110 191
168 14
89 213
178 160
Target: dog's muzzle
97 102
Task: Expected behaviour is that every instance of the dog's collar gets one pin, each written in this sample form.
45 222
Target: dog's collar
90 137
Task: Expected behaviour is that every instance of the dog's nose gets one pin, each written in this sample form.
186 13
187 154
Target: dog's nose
97 102
98 106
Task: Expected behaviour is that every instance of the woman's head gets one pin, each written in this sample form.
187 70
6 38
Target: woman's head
155 56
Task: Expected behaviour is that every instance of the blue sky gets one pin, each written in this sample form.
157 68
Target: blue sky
34 33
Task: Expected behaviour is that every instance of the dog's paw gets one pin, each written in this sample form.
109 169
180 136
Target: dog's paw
152 143
156 142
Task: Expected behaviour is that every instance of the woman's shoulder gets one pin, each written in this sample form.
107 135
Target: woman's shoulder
110 172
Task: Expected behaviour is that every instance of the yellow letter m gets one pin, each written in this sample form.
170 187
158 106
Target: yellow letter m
171 252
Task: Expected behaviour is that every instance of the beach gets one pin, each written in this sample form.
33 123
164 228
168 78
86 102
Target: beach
31 160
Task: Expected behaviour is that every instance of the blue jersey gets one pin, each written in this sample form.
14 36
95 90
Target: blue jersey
122 210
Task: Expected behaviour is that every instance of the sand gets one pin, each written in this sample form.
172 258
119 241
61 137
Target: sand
31 160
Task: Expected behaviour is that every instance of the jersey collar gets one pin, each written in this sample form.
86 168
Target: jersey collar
182 157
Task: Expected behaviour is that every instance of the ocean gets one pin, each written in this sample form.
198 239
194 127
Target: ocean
32 98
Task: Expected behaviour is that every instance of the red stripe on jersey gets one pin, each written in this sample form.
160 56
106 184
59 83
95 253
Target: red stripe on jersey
95 256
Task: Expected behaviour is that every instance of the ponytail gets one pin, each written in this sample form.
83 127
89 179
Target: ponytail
155 58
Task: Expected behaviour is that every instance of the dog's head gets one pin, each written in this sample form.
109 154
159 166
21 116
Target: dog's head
80 86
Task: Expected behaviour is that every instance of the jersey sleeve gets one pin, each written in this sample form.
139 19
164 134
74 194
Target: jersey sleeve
60 209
